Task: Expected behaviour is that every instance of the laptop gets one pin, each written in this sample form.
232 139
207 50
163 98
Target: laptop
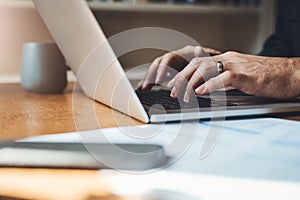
102 78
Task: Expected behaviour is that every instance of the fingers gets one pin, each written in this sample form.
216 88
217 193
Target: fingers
165 67
196 80
198 71
199 52
212 52
160 70
179 82
221 81
165 71
206 70
149 79
188 52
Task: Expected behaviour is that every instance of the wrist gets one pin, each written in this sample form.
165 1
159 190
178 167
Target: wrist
297 76
295 65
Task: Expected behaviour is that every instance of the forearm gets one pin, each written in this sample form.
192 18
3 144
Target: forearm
294 64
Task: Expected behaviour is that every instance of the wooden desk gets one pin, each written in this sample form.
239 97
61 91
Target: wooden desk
24 114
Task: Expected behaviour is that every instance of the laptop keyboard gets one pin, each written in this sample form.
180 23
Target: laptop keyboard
162 98
158 98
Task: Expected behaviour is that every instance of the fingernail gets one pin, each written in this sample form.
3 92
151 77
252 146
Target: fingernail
139 85
171 83
173 93
144 85
186 98
157 80
200 90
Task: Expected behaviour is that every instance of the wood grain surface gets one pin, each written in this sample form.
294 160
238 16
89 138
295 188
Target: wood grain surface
24 114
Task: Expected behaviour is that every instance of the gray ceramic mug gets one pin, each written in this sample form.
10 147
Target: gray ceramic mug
43 68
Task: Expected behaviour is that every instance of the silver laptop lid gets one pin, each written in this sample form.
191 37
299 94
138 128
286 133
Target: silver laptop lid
87 51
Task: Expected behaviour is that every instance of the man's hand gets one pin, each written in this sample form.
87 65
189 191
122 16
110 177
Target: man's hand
167 66
256 75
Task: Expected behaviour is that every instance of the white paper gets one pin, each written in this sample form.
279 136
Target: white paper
181 186
265 151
